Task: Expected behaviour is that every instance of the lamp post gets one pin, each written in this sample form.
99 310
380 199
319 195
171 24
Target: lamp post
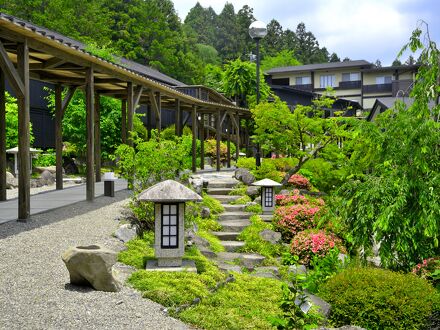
257 31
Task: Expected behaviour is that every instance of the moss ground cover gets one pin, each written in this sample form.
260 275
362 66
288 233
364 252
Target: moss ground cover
246 303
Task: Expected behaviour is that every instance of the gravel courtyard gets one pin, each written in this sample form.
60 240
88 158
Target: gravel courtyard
34 283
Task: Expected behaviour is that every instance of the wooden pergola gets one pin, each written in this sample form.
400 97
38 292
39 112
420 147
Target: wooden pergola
31 52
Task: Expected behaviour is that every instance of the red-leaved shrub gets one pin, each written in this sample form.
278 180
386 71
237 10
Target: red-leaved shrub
299 181
309 243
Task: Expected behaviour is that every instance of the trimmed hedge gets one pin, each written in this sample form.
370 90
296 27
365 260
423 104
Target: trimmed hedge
380 299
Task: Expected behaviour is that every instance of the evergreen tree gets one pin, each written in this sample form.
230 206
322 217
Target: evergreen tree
334 58
228 34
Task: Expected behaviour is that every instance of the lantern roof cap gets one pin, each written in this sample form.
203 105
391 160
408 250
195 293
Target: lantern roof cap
266 183
169 191
15 150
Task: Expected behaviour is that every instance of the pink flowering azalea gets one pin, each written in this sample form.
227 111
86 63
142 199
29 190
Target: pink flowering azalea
299 181
306 244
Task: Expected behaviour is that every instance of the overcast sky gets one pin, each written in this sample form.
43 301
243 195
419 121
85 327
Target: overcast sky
358 29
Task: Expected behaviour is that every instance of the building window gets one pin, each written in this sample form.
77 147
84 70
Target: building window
383 80
328 81
352 76
303 81
268 197
170 216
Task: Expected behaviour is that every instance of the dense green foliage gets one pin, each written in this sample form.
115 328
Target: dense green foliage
12 122
379 299
396 200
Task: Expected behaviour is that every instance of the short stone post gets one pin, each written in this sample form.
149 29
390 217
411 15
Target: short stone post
169 199
267 194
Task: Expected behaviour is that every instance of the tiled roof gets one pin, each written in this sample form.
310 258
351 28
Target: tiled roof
321 66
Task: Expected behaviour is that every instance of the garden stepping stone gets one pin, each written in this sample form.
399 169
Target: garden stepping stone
233 208
266 217
266 272
248 260
218 191
223 266
225 198
234 225
232 246
226 236
237 215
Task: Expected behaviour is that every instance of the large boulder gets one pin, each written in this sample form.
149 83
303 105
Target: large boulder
11 181
244 176
126 232
197 183
253 191
47 178
91 265
270 236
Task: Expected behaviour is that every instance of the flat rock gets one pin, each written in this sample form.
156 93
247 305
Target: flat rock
225 267
91 265
297 269
323 306
270 236
126 232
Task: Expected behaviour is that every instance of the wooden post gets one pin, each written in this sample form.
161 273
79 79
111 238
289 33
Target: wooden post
23 133
178 118
130 113
149 120
229 127
218 136
97 139
159 114
2 137
124 121
202 141
237 142
59 136
90 93
194 139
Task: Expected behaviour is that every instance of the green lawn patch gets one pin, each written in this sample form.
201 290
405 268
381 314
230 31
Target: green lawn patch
139 250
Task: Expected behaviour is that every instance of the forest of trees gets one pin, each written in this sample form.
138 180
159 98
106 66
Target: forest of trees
150 32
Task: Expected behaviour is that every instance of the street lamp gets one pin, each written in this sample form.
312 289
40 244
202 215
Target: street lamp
257 31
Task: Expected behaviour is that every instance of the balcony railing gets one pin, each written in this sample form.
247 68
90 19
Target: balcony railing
350 84
378 88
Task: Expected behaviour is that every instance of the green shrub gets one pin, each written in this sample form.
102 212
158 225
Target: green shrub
256 209
246 162
268 170
239 190
214 205
379 299
242 200
323 174
254 243
46 159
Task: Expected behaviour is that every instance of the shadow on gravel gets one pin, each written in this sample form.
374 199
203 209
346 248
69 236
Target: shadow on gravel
78 288
42 219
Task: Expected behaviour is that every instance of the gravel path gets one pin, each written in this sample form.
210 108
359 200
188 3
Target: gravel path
13 193
34 283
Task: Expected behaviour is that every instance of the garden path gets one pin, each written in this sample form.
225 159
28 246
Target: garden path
233 221
34 283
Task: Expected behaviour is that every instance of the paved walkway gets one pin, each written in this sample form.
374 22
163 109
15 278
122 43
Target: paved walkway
54 199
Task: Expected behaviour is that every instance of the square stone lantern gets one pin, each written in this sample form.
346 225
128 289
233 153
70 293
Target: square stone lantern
14 151
267 194
169 199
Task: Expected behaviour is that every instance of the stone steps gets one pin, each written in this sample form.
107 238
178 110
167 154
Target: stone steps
218 191
233 208
247 260
225 198
266 217
223 184
232 246
233 216
234 225
226 236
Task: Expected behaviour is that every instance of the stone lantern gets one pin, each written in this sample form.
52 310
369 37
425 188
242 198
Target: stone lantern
267 194
14 151
169 199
